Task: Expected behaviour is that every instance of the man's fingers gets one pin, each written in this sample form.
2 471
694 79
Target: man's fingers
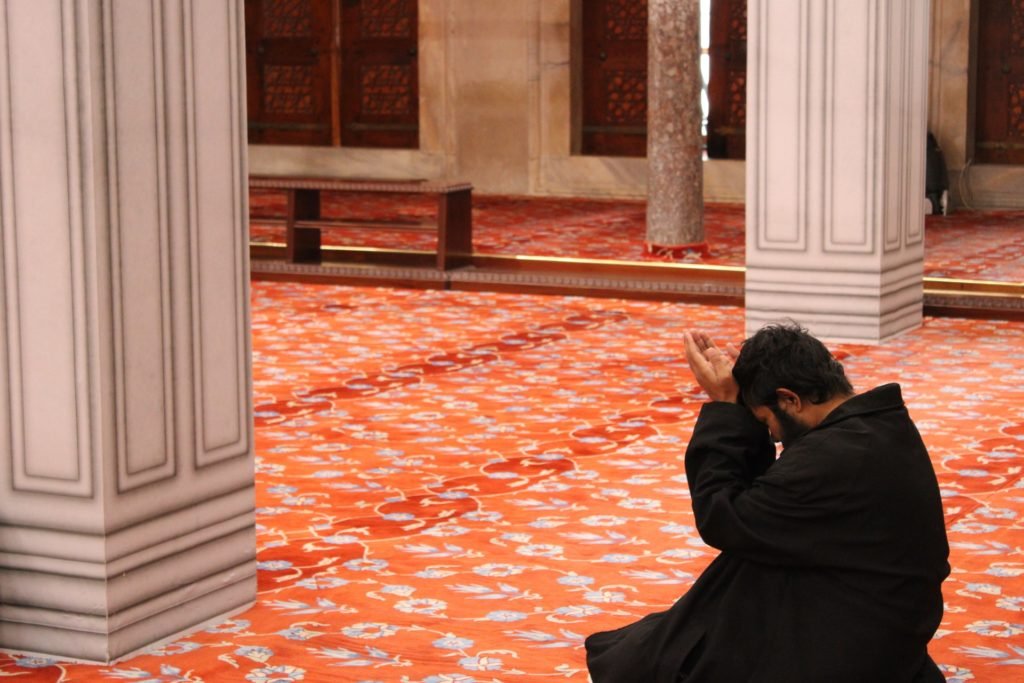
705 344
689 345
694 354
705 358
711 366
692 347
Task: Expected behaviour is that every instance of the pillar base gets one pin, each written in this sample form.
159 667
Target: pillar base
99 598
677 252
82 638
843 307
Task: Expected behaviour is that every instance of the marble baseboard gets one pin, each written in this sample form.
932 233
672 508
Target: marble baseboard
900 289
344 161
988 187
97 597
66 635
850 328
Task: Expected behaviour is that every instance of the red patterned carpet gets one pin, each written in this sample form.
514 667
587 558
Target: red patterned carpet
967 244
457 487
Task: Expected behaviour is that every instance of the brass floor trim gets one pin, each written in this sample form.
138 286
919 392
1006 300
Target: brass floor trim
656 280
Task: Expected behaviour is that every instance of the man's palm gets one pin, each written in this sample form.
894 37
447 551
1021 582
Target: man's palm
712 366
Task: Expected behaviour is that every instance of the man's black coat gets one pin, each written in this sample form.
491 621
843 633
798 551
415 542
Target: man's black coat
831 564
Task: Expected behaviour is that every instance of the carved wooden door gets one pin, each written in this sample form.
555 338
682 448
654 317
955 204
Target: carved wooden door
614 78
727 82
288 67
379 80
999 107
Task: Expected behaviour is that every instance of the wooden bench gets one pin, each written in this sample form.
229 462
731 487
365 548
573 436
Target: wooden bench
303 220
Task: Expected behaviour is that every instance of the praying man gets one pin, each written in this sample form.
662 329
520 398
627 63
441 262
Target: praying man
832 554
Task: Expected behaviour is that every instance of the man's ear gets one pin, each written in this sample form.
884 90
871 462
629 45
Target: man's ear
788 400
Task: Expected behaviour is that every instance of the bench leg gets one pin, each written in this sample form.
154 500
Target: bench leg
303 242
454 229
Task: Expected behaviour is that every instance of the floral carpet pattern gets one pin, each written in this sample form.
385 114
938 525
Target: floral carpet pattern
972 245
458 487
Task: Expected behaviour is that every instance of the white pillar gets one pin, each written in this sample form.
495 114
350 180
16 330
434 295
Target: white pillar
126 481
836 125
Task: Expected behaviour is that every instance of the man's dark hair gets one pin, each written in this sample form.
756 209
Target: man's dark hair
786 356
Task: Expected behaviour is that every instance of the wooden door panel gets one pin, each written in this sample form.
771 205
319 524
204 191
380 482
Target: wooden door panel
379 73
614 83
727 82
999 105
288 71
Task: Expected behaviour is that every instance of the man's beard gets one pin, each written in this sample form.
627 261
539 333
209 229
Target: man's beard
790 428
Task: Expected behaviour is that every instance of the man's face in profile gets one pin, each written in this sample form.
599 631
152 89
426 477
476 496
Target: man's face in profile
782 426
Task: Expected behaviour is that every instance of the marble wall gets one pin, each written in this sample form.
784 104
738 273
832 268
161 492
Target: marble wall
951 112
497 108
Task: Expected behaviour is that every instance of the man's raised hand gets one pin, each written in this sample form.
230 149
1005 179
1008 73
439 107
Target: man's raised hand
712 366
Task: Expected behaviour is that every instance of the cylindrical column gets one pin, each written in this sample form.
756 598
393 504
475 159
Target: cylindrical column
126 449
675 203
836 114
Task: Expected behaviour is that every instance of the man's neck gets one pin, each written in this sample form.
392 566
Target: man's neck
819 411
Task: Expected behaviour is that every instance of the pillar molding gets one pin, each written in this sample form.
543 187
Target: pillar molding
126 446
836 125
675 187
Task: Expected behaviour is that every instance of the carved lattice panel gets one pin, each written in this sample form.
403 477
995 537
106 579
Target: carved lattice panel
626 97
1017 27
738 21
387 18
727 84
738 100
379 83
1017 109
999 107
288 71
614 78
387 90
625 20
288 90
287 18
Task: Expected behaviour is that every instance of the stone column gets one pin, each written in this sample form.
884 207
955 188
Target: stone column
675 203
836 116
126 481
